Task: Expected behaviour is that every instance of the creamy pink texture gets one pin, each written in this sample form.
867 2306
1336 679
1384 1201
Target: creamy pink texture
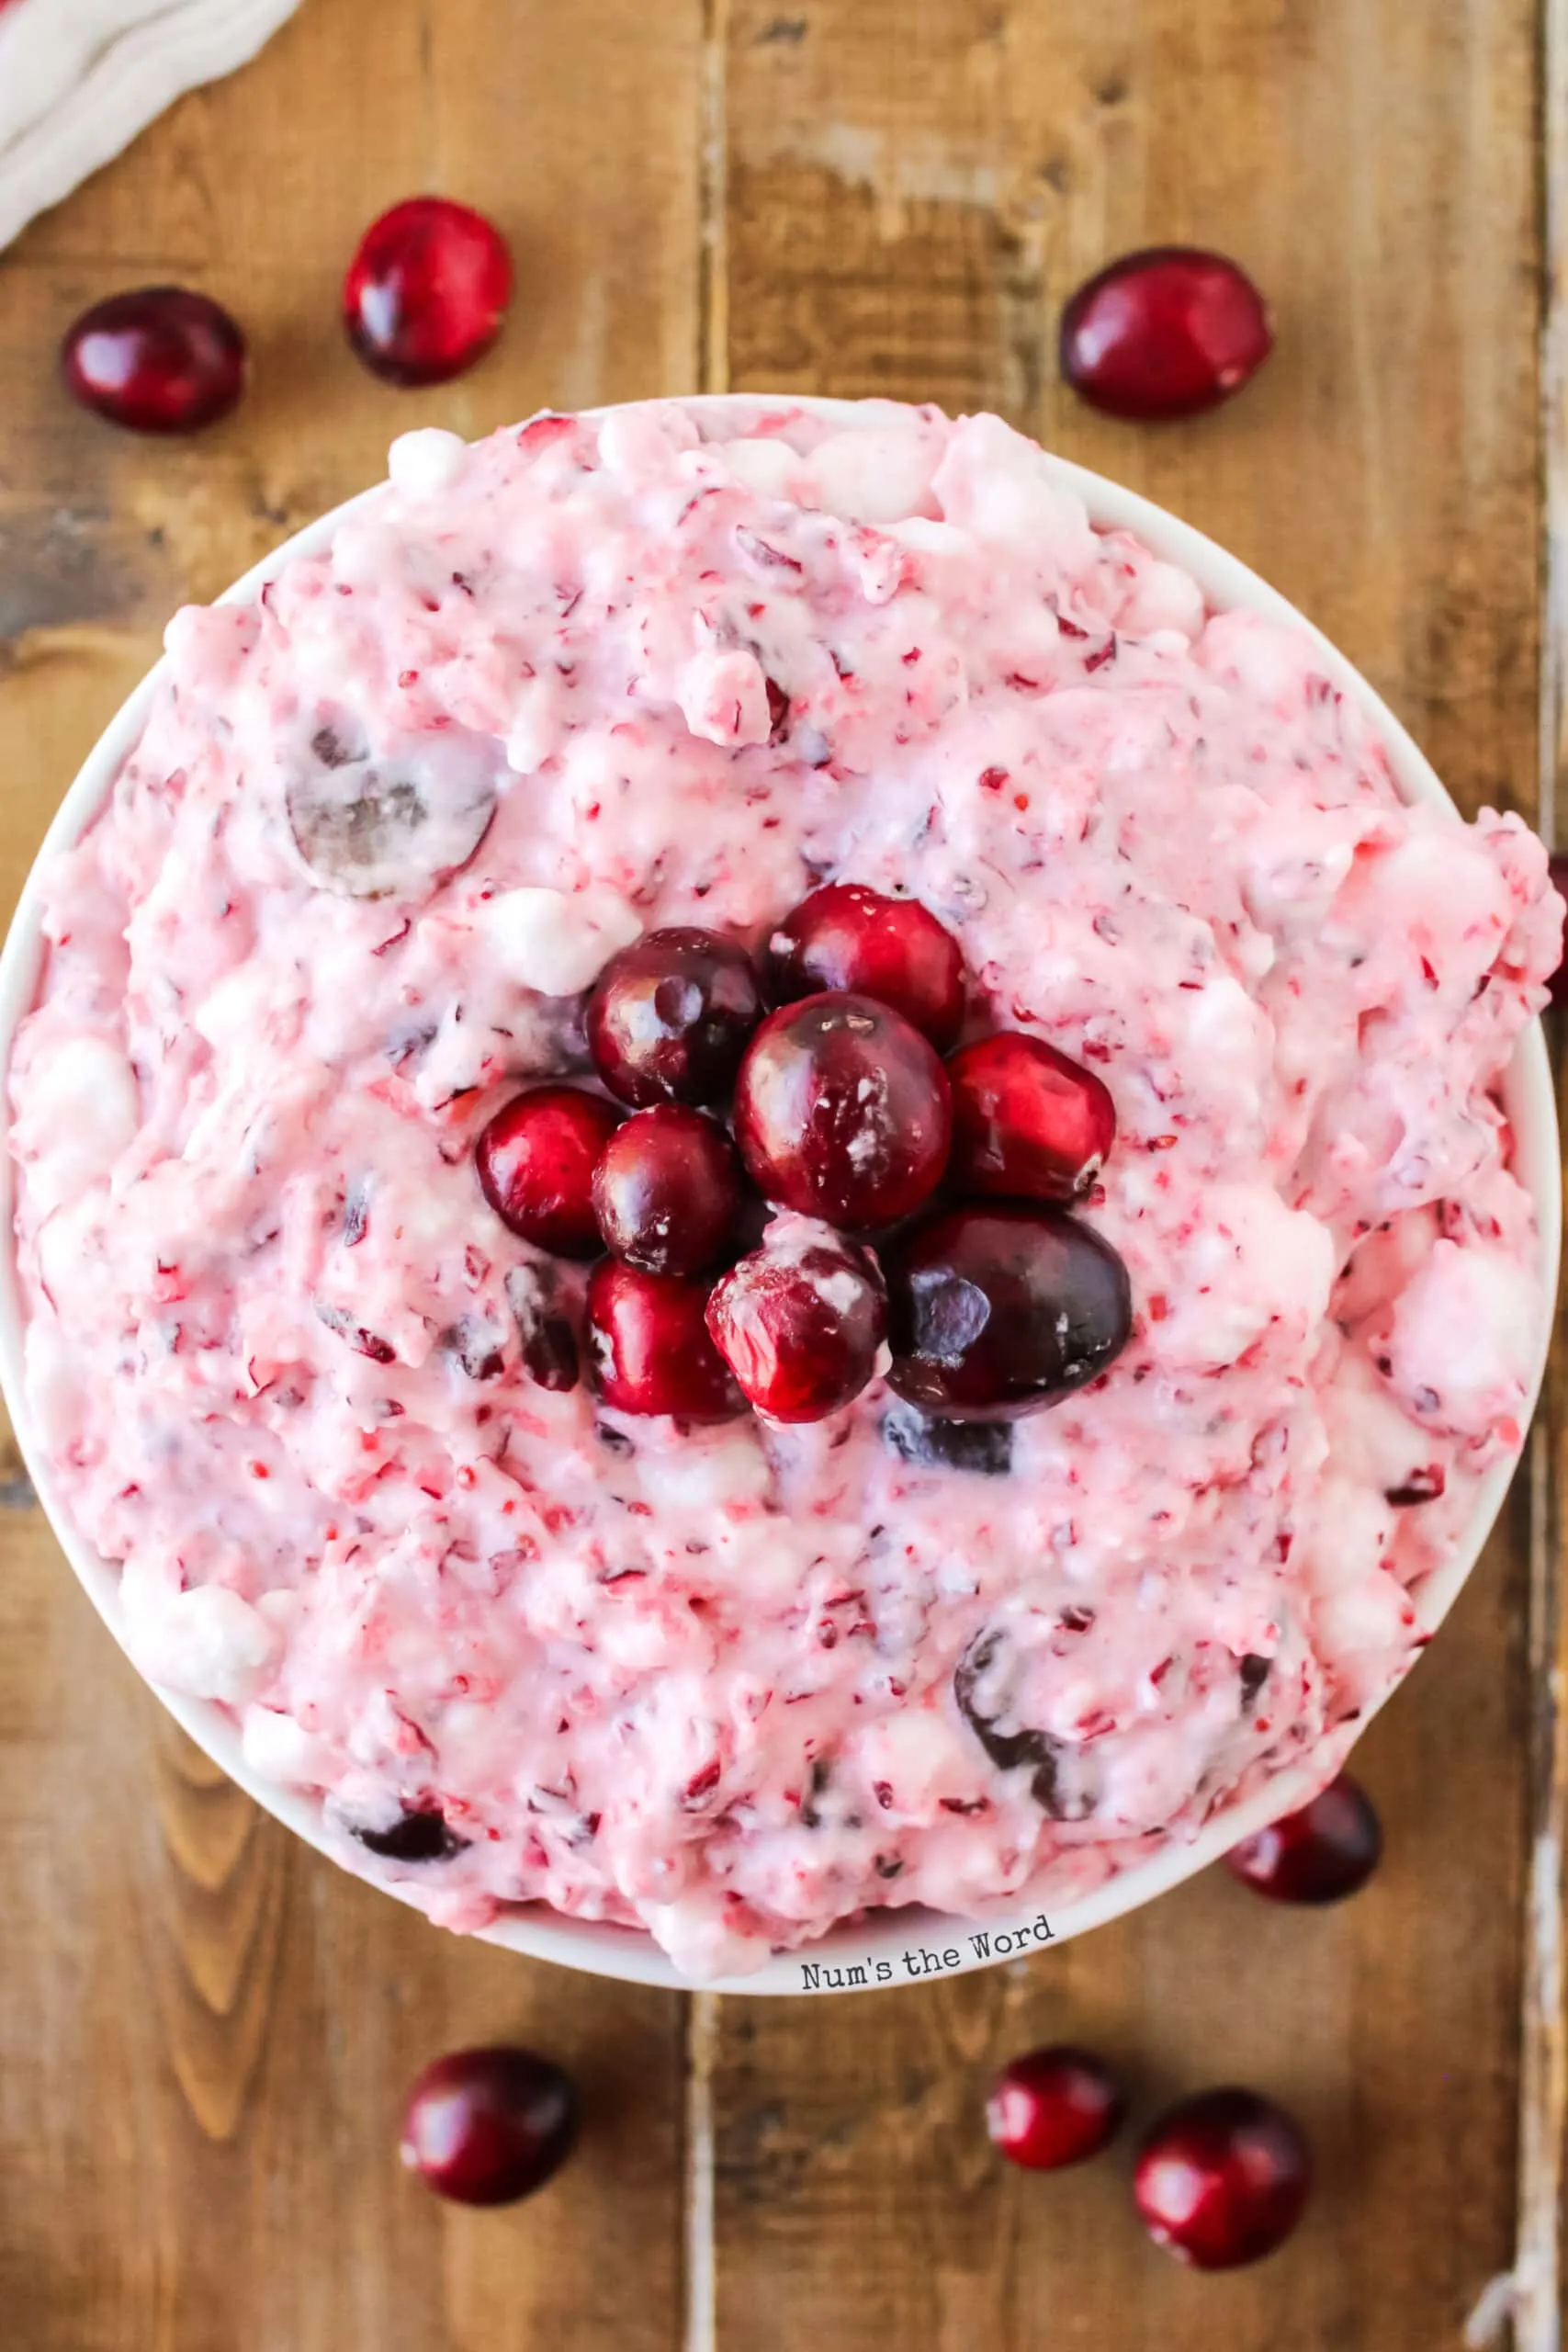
706 1680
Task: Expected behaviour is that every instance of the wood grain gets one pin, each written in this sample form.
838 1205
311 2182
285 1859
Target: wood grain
205 2030
912 190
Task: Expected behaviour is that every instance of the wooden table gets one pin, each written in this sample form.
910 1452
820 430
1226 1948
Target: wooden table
204 2030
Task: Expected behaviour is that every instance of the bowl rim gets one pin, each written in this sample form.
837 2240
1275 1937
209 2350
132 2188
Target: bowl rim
874 1951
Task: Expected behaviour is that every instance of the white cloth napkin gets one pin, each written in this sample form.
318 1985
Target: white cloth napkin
80 78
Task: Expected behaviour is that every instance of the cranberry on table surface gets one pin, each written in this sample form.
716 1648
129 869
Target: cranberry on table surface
842 1112
485 2127
1222 2178
997 1310
426 291
1322 1853
668 1190
1054 2107
1164 333
160 359
1027 1121
847 937
799 1323
670 1017
650 1349
535 1162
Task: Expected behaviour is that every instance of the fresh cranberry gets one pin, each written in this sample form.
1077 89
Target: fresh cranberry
669 1016
1000 1309
1165 333
1327 1851
1054 2107
847 937
1026 1120
650 1346
535 1162
842 1112
1558 983
1222 2178
666 1191
799 1323
426 291
158 360
487 2126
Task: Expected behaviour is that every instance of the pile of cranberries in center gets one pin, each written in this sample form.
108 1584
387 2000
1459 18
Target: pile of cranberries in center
783 1203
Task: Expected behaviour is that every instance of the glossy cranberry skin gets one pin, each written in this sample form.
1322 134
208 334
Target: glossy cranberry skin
486 2127
670 1017
1027 1121
1054 2107
999 1310
842 1112
648 1345
799 1323
1165 333
1223 2179
851 938
1322 1853
535 1162
668 1190
426 291
158 360
1557 986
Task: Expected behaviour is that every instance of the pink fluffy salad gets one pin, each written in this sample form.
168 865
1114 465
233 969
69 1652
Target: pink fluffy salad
736 1681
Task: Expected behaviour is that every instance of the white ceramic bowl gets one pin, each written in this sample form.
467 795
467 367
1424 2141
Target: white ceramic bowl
869 1951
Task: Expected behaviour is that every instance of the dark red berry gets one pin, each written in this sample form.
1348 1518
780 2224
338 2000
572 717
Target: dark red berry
666 1191
158 360
536 1161
1001 1309
426 291
1026 1120
799 1322
650 1349
1164 333
842 1112
1557 985
1223 2179
1054 2107
1327 1851
670 1017
487 2126
847 937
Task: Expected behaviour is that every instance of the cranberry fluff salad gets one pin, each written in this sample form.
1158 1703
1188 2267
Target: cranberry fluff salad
1038 1087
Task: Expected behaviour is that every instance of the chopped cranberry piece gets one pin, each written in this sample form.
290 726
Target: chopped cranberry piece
669 1016
426 291
1164 333
799 1323
650 1349
985 1447
847 937
421 1835
544 1328
1223 2179
1054 2107
1026 1120
666 1191
1423 1485
996 1311
158 360
536 1164
842 1112
487 2126
1325 1851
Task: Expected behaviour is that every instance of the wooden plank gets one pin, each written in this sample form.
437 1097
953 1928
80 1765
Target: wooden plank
205 2030
912 189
